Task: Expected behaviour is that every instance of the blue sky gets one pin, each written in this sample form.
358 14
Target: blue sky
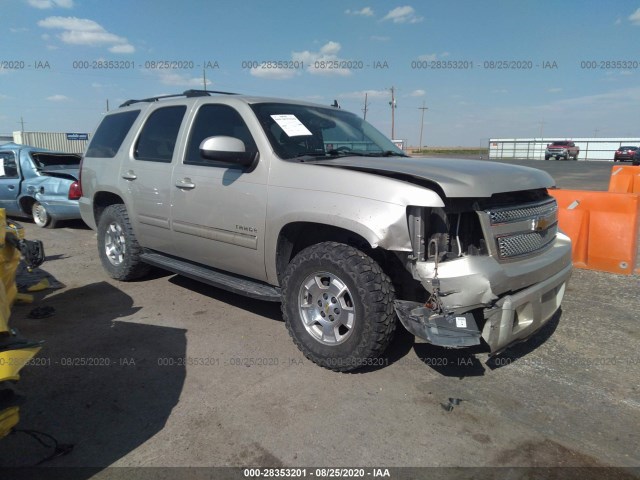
573 67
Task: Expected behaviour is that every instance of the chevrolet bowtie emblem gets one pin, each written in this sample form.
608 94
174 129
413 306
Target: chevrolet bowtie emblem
539 224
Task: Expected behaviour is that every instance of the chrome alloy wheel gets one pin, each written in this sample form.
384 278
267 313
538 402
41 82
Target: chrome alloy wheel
115 244
326 308
40 215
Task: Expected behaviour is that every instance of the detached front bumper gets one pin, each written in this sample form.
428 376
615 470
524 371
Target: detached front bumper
500 302
512 319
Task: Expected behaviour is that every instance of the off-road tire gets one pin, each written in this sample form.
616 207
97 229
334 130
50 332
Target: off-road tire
116 235
371 294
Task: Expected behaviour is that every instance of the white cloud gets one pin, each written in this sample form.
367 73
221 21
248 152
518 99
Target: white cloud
274 73
323 62
46 4
122 48
635 17
58 98
429 57
18 30
82 31
405 14
418 93
554 90
365 12
167 77
378 38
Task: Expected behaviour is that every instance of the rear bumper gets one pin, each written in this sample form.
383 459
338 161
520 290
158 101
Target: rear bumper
61 209
86 212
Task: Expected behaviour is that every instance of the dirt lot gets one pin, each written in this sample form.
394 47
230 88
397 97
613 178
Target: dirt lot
168 372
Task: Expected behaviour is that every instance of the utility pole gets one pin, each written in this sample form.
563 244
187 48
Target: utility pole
204 79
541 123
366 105
22 126
423 108
393 108
595 132
107 104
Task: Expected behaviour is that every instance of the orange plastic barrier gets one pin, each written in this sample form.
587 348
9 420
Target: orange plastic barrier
624 179
603 228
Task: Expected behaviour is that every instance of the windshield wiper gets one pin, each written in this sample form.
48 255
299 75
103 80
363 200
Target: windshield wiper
345 153
391 153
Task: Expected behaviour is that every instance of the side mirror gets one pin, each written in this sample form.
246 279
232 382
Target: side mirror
227 150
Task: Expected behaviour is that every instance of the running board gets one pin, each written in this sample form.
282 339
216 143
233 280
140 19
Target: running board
226 281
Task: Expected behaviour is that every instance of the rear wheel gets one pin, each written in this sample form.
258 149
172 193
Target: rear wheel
41 216
338 306
117 245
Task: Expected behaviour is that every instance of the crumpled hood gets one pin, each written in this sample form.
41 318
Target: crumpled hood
456 177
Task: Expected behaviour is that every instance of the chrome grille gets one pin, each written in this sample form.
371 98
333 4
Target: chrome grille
519 230
510 246
507 215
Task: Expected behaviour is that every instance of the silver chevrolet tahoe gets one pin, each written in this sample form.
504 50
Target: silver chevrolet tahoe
312 207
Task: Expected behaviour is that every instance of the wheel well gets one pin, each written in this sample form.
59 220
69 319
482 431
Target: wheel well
26 204
101 201
295 237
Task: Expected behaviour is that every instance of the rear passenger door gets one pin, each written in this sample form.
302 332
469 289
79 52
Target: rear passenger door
146 174
218 214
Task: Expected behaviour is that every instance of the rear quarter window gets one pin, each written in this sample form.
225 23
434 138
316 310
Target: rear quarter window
111 133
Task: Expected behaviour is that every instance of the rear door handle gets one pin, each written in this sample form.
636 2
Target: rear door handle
129 175
185 184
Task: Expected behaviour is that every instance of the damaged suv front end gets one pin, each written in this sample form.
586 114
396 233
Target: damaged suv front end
489 255
496 269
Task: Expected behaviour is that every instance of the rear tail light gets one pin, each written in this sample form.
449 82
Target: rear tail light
75 192
80 175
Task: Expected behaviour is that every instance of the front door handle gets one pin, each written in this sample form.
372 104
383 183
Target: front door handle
185 184
129 175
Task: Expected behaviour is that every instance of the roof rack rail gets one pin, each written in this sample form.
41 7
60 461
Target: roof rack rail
186 93
205 93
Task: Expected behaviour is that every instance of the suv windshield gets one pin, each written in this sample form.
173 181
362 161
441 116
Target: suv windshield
299 131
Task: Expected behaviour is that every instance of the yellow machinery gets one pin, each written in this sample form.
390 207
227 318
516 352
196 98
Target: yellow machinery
15 351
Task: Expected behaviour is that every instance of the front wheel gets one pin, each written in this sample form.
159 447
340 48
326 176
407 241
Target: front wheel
338 306
117 245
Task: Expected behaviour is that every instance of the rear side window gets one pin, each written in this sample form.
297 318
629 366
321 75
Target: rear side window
8 167
159 134
110 134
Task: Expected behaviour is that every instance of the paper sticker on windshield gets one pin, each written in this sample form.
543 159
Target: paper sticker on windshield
291 125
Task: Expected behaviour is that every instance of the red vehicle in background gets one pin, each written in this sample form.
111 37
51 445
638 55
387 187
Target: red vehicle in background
624 153
562 150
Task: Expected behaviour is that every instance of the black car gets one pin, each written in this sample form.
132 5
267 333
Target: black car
636 157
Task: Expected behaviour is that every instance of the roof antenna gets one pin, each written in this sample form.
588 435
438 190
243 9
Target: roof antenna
335 104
